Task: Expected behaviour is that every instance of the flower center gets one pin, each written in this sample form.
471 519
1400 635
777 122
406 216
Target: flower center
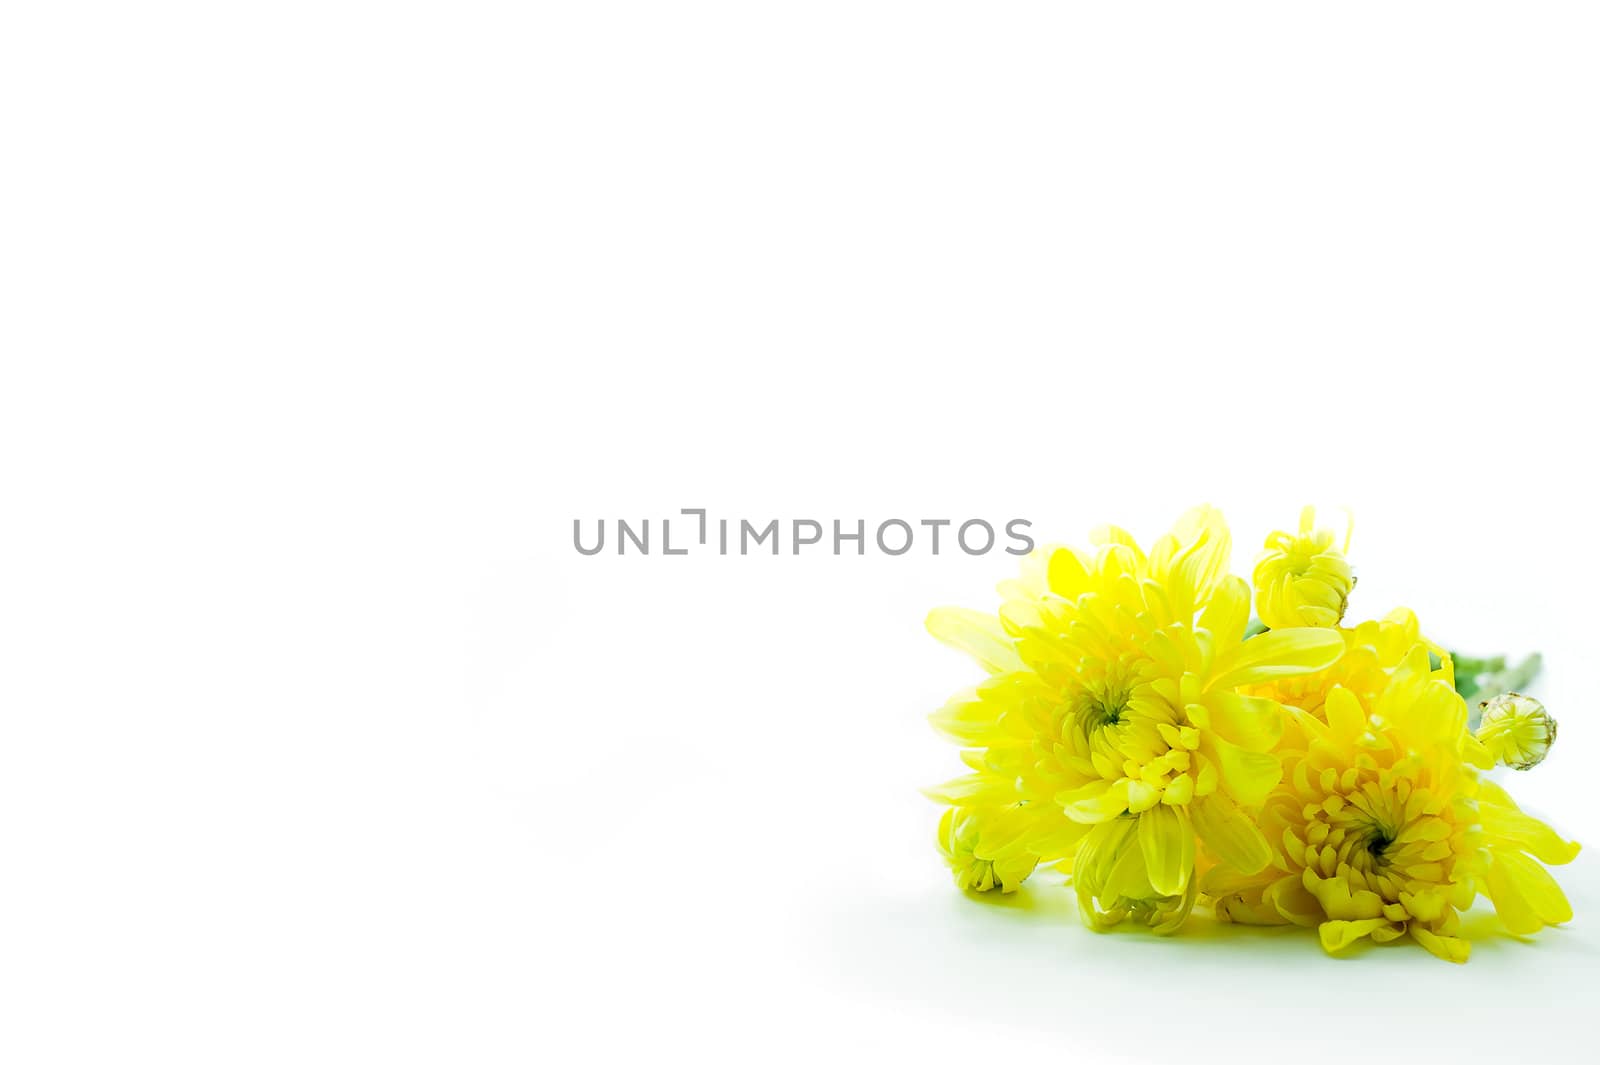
1300 557
1105 707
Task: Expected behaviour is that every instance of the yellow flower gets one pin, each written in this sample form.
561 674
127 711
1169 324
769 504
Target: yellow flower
1114 712
1385 829
998 722
1373 650
1517 730
977 844
1112 874
1302 578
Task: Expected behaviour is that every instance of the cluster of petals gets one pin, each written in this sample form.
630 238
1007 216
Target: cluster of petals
1140 732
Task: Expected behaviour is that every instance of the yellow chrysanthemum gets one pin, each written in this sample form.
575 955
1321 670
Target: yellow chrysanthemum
1115 713
1302 578
1385 829
977 844
1373 650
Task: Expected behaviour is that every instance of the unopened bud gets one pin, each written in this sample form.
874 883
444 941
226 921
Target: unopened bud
1517 730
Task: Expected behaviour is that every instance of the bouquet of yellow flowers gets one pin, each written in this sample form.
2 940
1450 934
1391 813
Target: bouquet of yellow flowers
1143 733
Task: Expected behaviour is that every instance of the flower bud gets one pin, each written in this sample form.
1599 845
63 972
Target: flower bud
966 837
1517 730
1302 579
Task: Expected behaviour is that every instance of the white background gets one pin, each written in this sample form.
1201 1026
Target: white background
321 322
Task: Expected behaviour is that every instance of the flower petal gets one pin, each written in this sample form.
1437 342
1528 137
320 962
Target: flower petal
975 789
1337 935
1503 822
1068 573
1229 835
1450 948
1253 723
1248 776
1096 801
1291 899
1278 653
1204 548
1346 719
1168 845
1228 612
976 633
1525 895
